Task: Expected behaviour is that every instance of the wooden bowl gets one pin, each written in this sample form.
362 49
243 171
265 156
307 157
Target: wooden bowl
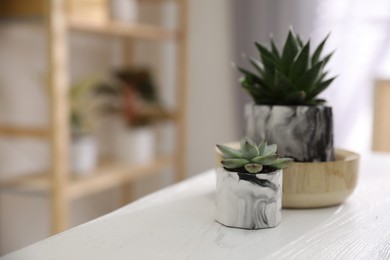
318 184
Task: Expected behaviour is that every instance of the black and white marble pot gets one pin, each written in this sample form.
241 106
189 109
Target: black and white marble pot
248 201
304 133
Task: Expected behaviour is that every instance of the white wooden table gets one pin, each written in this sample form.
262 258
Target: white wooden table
178 223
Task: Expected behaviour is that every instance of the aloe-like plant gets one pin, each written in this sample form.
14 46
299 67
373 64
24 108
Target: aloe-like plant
291 76
252 158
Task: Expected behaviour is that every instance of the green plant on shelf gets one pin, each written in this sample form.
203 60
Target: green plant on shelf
90 99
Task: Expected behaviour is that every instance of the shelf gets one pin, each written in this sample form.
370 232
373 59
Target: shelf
19 131
112 175
107 176
111 28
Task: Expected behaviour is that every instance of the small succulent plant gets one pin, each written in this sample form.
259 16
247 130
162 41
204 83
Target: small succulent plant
292 76
252 158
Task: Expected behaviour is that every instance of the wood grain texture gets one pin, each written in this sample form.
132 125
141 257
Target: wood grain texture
320 184
182 92
136 31
59 112
178 223
22 8
26 132
93 11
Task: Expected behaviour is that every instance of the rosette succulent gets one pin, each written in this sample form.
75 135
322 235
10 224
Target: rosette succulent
252 158
291 76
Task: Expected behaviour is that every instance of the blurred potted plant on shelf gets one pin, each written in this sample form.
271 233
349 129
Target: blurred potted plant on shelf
141 109
88 101
249 185
287 111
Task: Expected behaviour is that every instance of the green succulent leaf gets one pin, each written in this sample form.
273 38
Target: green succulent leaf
262 147
301 63
264 53
248 149
307 80
274 49
265 159
234 163
296 97
228 152
299 40
326 59
258 66
282 163
249 73
270 149
317 52
290 50
253 167
321 87
282 83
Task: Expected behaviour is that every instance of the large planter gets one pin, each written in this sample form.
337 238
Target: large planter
304 133
248 201
320 184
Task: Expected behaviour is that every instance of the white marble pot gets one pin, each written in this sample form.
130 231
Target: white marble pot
248 201
84 153
304 133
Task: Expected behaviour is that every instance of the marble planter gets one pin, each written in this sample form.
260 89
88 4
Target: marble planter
304 133
248 201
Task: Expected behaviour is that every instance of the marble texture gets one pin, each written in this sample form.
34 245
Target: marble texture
304 133
248 201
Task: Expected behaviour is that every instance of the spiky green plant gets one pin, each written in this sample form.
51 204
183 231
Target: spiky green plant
252 158
292 76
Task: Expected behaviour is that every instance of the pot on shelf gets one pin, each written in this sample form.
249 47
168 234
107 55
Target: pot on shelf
84 153
136 145
248 201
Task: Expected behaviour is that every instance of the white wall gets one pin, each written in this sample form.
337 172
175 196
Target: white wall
24 219
211 117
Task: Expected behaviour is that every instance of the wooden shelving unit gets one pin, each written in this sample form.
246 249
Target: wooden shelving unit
58 184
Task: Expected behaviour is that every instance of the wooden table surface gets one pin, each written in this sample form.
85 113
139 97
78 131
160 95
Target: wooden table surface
178 223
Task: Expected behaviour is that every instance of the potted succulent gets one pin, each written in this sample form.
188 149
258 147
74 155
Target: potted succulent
287 111
90 99
249 186
141 109
83 148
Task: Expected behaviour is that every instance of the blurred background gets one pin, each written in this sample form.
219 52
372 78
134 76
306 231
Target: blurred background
110 99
